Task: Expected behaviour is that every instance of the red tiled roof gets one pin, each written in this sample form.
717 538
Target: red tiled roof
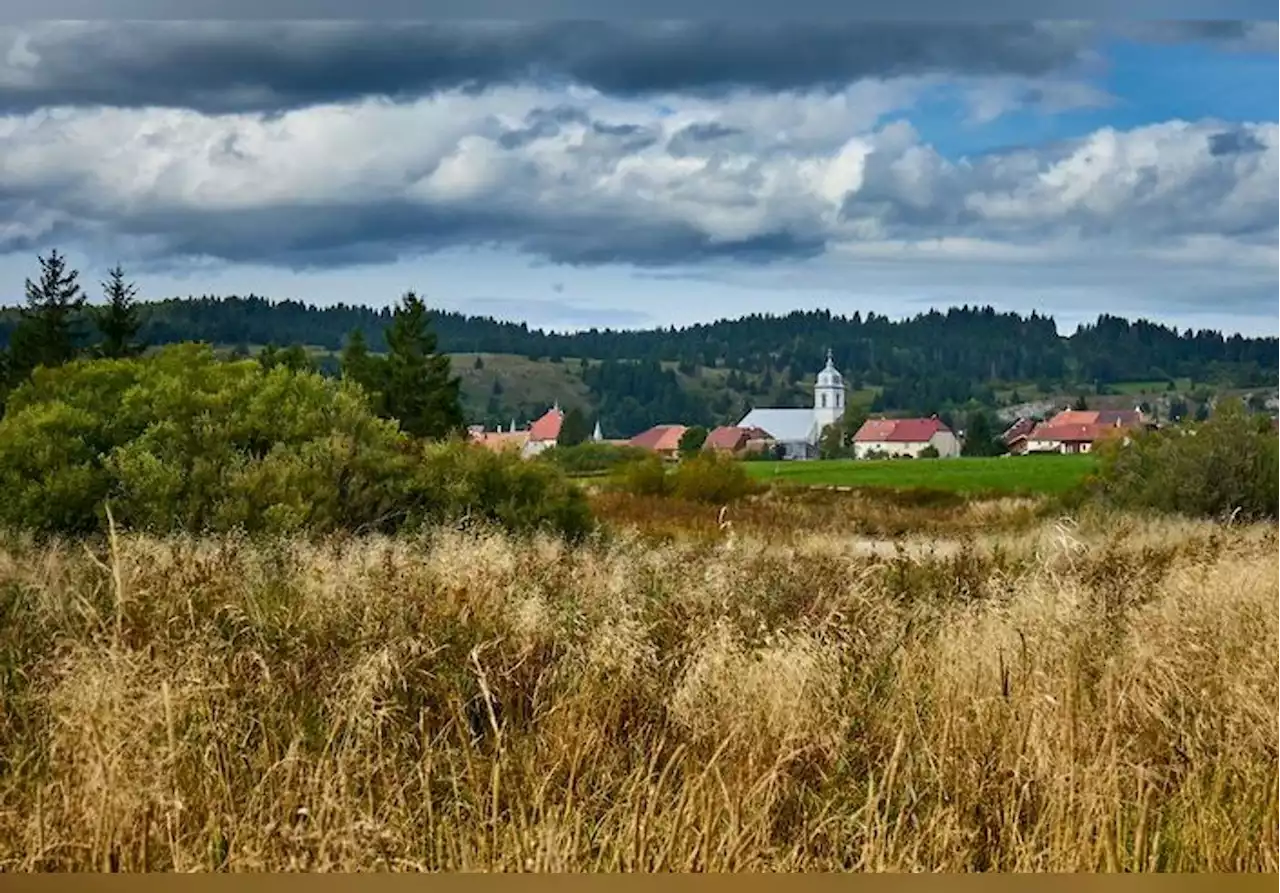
660 437
726 437
547 427
1073 433
898 430
500 440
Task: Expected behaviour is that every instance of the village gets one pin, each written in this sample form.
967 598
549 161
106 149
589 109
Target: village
796 433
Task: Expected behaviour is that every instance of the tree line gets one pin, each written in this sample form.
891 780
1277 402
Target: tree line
411 381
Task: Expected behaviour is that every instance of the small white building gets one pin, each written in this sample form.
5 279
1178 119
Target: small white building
798 431
899 438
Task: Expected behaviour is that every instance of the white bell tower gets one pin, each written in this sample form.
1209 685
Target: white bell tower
828 396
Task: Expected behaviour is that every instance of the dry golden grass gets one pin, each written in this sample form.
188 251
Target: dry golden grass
1052 698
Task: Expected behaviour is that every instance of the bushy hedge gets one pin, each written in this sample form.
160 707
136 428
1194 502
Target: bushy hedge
706 477
591 457
181 441
1224 466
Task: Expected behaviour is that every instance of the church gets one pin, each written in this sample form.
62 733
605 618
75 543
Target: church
798 431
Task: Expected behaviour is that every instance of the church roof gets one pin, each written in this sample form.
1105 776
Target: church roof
788 425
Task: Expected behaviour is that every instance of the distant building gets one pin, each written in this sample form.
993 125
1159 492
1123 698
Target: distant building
661 439
798 431
541 435
736 441
896 438
1078 431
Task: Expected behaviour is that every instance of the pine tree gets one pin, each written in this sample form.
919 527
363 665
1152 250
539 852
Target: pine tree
574 429
418 388
46 334
118 321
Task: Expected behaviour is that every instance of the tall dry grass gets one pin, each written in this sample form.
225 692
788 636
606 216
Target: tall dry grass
1052 699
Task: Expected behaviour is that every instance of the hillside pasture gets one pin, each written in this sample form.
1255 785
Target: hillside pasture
966 475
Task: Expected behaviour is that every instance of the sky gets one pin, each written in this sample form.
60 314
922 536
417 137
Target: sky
638 174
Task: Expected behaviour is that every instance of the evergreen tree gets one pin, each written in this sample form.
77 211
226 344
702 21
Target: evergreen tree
118 322
574 429
980 437
691 440
418 387
47 332
1080 405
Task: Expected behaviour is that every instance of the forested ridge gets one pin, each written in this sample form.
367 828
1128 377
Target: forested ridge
934 361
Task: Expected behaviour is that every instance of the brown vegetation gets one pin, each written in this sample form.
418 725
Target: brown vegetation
1042 698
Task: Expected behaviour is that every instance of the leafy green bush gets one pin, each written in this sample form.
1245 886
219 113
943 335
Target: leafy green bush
591 457
711 477
646 476
1223 466
183 441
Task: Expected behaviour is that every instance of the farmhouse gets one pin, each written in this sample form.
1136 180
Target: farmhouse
797 431
1077 431
904 438
540 436
735 441
661 439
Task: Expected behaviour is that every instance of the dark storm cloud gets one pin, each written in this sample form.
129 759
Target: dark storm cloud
344 235
272 66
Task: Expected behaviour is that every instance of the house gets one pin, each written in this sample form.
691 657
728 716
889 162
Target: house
904 438
1080 430
1014 437
544 432
500 440
735 440
798 431
541 435
661 439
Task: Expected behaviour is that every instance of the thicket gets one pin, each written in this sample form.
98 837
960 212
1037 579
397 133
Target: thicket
1225 466
181 441
706 477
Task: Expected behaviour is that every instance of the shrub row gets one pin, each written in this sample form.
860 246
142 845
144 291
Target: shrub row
181 441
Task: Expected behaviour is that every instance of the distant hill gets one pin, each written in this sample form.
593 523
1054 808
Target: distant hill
710 373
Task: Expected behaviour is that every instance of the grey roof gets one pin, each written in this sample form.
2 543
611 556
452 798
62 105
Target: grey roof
788 425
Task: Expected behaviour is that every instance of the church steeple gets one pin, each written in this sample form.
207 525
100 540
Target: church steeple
828 394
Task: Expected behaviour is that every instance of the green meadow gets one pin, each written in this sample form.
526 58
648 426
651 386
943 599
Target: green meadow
1002 474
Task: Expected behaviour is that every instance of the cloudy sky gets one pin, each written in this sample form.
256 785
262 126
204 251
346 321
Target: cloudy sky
642 174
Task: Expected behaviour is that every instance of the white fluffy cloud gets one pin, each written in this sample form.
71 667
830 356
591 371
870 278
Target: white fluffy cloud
581 178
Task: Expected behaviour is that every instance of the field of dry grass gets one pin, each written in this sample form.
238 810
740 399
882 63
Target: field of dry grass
1008 694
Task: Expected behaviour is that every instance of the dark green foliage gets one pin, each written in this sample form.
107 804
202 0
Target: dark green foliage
48 330
1081 405
646 476
836 441
293 357
182 441
118 321
692 440
574 428
981 438
1226 465
412 383
591 457
711 477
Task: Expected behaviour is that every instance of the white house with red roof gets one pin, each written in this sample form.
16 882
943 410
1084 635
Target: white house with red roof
898 438
541 435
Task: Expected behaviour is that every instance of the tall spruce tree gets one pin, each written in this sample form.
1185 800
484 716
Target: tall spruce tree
117 321
574 429
48 331
418 386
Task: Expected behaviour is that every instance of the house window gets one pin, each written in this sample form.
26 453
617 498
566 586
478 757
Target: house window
824 401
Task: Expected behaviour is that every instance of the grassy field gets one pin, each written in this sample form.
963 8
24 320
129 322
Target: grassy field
1098 697
1014 474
